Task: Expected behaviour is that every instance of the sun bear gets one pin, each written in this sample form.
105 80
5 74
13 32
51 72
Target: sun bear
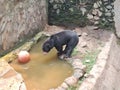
68 38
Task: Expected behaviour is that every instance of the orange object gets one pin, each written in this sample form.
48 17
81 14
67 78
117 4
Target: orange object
23 57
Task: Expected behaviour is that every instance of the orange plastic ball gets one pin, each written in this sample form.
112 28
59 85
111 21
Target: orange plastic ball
23 57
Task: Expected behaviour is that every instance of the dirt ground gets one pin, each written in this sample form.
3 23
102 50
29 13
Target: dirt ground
90 40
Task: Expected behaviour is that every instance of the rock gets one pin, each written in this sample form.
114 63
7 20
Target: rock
71 81
60 88
95 12
95 28
83 44
89 16
99 2
57 1
86 75
77 64
84 34
51 1
55 6
105 0
96 22
58 11
62 1
108 14
95 5
78 73
99 13
71 9
64 85
83 10
110 20
96 18
109 7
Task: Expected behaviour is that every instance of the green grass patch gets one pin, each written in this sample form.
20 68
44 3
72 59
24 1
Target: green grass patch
75 52
89 60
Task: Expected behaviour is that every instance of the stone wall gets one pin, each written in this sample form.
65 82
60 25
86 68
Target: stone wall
82 12
110 77
117 16
20 19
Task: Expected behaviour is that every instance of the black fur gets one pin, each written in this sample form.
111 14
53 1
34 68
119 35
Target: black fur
58 40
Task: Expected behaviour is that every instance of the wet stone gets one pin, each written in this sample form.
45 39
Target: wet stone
71 81
77 64
60 88
78 73
64 85
69 60
86 75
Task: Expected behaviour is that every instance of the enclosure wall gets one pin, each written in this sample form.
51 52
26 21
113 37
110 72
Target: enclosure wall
20 19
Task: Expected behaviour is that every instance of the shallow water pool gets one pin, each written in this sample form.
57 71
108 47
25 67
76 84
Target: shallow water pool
43 71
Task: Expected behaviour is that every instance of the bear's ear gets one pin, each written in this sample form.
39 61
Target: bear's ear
52 36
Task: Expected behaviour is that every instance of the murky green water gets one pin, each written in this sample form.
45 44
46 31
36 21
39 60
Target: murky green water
43 71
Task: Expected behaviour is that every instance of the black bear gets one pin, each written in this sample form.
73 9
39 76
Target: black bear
58 40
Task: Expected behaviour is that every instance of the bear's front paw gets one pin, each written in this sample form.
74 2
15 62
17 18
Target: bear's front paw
63 56
59 54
